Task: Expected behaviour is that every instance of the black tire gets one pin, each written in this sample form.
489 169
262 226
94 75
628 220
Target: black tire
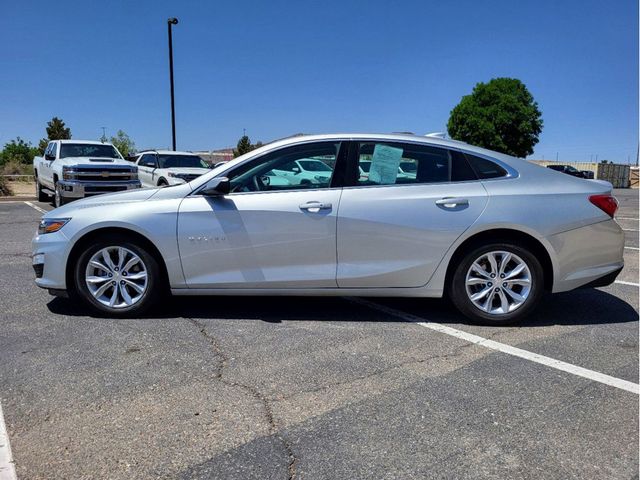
41 196
156 286
458 288
58 199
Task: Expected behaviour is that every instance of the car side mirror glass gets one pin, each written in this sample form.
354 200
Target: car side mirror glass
217 187
295 169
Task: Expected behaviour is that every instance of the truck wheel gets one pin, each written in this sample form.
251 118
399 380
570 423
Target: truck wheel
118 277
497 284
40 195
58 199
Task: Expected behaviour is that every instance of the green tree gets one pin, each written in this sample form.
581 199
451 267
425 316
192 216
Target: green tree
18 150
56 130
123 143
500 115
243 146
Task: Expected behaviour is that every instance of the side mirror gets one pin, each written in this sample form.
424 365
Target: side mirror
218 164
295 169
49 157
217 187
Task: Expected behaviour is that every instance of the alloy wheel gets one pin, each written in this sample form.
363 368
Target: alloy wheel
498 282
116 277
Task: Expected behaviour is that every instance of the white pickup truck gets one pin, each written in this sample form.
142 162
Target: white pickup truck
72 169
161 168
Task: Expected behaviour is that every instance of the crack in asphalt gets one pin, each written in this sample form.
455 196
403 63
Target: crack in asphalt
19 254
254 392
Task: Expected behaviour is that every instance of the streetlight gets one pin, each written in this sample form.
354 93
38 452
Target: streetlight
172 21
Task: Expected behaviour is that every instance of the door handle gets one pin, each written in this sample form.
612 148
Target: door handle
315 206
452 202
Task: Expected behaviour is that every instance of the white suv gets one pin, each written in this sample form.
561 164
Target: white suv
306 171
157 168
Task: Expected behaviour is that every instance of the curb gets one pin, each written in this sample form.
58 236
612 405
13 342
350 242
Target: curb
17 198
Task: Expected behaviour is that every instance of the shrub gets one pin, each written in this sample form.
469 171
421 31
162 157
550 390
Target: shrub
5 189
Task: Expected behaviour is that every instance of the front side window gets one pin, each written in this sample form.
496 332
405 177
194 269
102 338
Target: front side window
148 160
88 150
308 166
407 164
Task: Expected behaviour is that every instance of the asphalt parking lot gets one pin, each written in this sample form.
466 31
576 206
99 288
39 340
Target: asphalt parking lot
315 388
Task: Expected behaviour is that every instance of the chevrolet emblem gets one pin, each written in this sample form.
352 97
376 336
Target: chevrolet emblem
104 174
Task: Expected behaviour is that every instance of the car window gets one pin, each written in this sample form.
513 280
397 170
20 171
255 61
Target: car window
405 164
147 160
88 150
281 170
54 149
485 168
181 161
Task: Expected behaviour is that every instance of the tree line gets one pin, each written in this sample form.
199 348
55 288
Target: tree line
499 115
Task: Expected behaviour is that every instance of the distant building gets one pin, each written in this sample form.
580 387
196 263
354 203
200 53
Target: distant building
216 156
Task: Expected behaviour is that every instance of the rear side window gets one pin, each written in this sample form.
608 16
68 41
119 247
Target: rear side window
485 168
408 164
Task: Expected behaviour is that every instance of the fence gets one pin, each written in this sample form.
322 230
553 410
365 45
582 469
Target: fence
617 174
633 177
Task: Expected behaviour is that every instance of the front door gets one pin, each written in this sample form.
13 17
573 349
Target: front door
268 232
147 164
395 225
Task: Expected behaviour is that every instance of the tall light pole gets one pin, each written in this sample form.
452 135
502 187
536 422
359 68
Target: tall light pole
170 22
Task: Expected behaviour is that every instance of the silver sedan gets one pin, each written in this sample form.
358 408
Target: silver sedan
492 232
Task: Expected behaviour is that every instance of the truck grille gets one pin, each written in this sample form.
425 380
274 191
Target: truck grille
101 174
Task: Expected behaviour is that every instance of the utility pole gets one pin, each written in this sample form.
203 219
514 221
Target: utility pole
170 22
104 135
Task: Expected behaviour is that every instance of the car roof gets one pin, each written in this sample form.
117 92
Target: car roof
167 152
87 142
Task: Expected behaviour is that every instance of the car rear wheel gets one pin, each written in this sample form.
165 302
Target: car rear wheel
118 277
499 283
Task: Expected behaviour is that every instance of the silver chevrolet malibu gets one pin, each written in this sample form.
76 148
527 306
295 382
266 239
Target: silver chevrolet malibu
349 215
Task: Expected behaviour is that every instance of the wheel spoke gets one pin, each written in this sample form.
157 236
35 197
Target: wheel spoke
479 270
492 261
100 291
137 276
132 261
517 270
96 280
114 297
107 259
504 302
486 306
481 294
125 294
101 266
504 261
121 256
135 286
477 281
516 296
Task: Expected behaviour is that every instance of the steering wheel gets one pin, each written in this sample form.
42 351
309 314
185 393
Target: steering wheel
259 183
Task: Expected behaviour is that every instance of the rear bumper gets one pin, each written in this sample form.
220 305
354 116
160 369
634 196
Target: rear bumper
76 189
587 256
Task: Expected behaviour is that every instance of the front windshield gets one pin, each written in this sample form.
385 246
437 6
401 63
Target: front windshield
314 166
88 150
181 161
571 169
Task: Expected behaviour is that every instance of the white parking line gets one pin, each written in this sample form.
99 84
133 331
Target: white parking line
628 218
629 229
622 282
7 467
504 348
41 210
632 248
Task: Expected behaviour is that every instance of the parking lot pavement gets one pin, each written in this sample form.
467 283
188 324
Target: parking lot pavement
313 387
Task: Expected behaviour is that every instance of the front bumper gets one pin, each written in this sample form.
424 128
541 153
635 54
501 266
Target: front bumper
587 256
49 260
78 189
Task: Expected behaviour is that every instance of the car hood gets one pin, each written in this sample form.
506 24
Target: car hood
130 196
92 161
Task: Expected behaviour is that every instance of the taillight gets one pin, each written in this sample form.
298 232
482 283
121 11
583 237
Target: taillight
607 203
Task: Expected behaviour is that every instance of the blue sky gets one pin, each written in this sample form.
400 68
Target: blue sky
278 68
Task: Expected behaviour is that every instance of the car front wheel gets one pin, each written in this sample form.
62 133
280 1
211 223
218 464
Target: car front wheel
500 283
118 277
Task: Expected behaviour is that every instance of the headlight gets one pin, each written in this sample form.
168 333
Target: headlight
68 173
50 225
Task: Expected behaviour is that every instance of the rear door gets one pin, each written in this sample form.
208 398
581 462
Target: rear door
393 230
